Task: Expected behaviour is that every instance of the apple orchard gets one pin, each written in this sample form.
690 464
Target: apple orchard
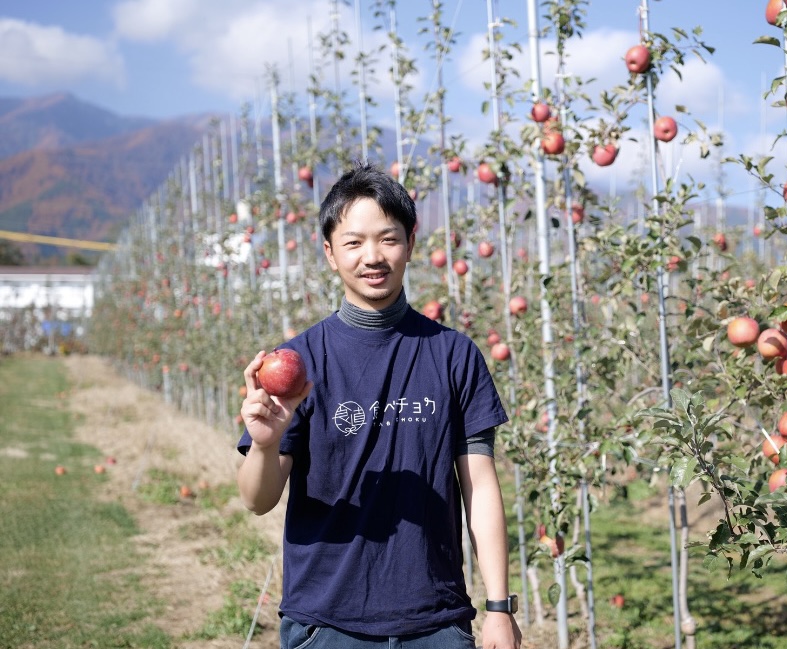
623 338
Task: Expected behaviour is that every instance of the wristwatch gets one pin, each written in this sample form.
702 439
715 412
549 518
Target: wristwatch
509 605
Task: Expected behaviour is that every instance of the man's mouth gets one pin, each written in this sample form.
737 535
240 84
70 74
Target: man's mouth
374 278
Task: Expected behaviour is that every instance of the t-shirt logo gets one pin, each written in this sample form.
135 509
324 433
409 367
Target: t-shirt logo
349 417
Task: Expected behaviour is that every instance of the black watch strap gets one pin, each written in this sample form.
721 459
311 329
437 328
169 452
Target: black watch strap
508 605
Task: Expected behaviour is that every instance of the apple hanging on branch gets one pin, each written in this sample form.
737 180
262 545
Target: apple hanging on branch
438 258
553 143
772 343
486 174
517 305
486 249
540 112
638 59
743 331
433 310
500 352
283 373
665 129
721 241
777 480
782 425
772 11
305 175
771 447
604 154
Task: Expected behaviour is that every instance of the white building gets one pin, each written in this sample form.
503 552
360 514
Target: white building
64 292
39 303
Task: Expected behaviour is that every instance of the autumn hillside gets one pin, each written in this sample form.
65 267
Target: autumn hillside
71 169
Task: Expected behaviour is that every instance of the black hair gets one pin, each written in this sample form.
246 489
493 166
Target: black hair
365 180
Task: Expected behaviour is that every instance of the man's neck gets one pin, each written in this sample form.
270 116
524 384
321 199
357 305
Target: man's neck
372 319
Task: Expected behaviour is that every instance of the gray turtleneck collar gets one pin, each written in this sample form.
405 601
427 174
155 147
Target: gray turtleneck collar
367 319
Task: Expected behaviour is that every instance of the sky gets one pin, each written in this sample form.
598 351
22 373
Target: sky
167 58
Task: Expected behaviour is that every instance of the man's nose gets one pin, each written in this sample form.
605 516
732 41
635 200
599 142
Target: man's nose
372 254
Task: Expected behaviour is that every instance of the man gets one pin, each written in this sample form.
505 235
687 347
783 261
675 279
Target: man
394 429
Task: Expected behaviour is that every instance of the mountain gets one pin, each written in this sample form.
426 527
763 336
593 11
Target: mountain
72 169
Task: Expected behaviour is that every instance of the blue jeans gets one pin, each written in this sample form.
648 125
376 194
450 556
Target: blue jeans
296 636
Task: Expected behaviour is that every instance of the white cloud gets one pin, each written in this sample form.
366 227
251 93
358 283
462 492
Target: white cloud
700 88
32 55
231 45
152 20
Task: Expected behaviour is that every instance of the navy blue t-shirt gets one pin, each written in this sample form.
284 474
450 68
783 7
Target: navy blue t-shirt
372 539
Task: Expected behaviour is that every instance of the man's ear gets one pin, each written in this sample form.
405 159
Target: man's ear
326 246
410 245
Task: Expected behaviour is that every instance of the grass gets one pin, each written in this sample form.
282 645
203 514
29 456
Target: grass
66 560
631 556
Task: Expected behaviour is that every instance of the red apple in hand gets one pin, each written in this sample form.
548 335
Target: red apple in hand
665 129
604 154
283 373
638 59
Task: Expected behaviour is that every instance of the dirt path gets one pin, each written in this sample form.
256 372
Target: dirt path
143 434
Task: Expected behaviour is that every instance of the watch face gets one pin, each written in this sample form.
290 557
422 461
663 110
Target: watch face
513 603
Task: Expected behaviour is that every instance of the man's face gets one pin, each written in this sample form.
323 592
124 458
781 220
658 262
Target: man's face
370 252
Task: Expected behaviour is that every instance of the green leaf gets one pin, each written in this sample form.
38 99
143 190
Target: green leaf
680 398
778 497
682 472
779 313
775 278
695 242
761 551
711 561
767 40
656 412
749 537
553 593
